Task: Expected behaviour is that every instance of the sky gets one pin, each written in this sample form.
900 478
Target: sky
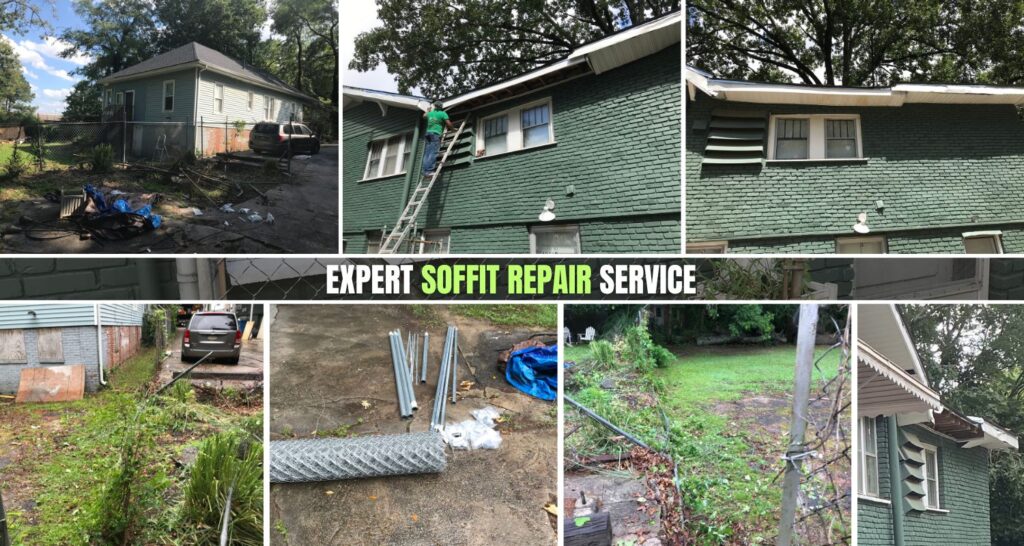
361 16
49 75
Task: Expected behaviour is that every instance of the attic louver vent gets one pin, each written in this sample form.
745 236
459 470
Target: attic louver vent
912 472
463 151
735 138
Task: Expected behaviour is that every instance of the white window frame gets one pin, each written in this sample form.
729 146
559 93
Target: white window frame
266 107
816 139
429 234
119 98
573 228
863 448
218 109
708 247
929 503
861 239
110 97
996 236
402 167
251 100
163 102
515 129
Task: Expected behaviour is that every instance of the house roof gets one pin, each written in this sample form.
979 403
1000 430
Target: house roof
897 95
195 54
601 55
358 95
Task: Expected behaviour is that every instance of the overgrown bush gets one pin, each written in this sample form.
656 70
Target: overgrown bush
155 329
16 165
102 158
638 348
603 352
662 356
226 461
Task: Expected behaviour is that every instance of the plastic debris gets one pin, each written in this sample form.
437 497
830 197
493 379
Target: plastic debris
244 211
196 212
534 370
118 192
254 218
476 433
226 207
270 218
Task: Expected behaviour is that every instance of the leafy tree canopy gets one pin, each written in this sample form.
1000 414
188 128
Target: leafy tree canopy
445 48
857 42
15 93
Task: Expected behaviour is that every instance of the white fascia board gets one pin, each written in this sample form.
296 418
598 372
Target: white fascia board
699 80
148 73
399 101
894 373
628 34
560 65
898 95
994 437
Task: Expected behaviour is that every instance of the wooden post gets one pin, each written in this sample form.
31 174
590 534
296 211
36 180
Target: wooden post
798 425
596 531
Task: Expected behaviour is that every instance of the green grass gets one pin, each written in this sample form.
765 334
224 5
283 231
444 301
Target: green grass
538 316
76 458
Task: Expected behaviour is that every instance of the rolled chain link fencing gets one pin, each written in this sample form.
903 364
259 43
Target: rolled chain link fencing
330 459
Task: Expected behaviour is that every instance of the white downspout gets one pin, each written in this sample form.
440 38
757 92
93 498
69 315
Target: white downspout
195 109
99 343
188 279
204 275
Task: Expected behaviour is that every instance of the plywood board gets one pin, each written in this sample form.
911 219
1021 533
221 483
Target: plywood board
51 384
248 329
51 345
12 347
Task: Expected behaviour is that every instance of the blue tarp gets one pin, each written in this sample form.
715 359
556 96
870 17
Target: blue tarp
534 370
121 206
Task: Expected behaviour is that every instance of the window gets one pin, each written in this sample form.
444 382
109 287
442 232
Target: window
251 99
983 242
169 96
435 241
931 477
110 97
119 98
218 98
861 245
388 156
519 128
373 240
711 247
266 107
868 456
272 108
555 240
814 137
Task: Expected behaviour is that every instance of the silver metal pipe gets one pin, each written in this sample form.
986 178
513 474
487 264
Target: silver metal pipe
406 376
395 362
447 374
406 392
423 362
455 367
440 394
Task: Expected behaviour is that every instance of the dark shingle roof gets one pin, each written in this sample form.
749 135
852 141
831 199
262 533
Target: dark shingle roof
193 53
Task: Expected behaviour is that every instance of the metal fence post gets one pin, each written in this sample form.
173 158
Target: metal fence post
124 133
226 149
202 136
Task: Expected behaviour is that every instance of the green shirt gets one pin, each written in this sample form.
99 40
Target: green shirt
435 121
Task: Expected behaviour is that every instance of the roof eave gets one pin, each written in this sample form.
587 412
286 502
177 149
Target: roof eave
114 78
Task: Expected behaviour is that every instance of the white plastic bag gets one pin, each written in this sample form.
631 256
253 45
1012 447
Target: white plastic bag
476 433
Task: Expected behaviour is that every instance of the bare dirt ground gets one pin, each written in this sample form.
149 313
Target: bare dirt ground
326 361
304 207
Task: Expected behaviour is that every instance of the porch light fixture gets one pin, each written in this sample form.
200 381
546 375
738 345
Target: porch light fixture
862 224
546 214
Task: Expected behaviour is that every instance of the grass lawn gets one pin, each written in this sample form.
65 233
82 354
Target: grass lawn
64 458
540 316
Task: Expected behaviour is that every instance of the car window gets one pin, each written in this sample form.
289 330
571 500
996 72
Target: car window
305 130
287 129
266 128
213 322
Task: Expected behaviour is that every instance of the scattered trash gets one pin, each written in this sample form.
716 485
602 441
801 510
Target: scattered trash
244 211
534 371
270 218
476 433
196 212
254 217
118 192
366 404
226 223
226 207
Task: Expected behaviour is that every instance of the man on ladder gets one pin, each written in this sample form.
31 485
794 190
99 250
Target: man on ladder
437 120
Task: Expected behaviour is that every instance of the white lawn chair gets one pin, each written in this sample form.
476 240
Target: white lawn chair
567 335
590 334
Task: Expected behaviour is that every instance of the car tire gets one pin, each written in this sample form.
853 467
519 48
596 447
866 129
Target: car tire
233 361
315 148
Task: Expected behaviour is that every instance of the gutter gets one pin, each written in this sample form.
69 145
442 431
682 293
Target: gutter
99 343
852 234
409 172
895 482
195 107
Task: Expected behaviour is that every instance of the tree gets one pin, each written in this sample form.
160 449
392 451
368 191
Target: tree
119 34
17 14
15 93
83 104
445 48
853 42
311 31
229 26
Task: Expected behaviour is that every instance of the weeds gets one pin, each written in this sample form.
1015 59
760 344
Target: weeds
603 353
540 316
102 158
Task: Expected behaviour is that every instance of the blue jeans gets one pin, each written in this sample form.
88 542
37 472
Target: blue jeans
430 152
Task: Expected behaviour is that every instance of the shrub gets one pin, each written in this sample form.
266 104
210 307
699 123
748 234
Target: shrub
226 461
662 356
16 165
603 352
102 158
638 348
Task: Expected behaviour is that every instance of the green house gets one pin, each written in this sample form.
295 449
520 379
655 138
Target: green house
593 139
923 467
195 97
778 168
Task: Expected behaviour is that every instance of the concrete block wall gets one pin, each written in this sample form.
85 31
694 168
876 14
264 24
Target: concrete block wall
79 343
86 278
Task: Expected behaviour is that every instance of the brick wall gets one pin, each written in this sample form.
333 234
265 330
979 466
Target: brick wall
79 345
120 344
85 278
931 165
617 142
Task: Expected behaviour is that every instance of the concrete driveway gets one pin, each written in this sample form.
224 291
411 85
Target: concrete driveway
218 374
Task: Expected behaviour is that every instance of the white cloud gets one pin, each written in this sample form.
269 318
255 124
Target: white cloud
63 74
33 54
59 94
28 73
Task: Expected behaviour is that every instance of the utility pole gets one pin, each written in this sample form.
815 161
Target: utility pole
798 425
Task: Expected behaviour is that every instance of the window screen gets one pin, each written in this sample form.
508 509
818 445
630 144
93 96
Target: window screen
840 138
496 135
536 123
168 96
791 138
373 161
931 469
560 240
391 157
218 98
982 245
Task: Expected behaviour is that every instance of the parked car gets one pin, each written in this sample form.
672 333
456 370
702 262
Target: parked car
272 137
215 332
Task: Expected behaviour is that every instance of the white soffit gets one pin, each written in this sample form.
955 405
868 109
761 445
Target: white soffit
994 437
880 326
354 95
884 388
632 44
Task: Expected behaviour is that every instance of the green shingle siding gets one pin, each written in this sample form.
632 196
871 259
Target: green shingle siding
149 96
963 491
617 142
932 165
1006 279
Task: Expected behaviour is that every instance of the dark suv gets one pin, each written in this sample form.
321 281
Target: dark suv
271 137
215 333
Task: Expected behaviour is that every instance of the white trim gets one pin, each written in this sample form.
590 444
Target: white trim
427 234
893 372
816 138
402 168
995 235
869 498
925 448
218 87
861 239
383 98
716 247
250 101
514 134
565 228
863 453
163 93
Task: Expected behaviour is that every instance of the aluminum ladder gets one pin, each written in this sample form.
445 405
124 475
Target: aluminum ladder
407 220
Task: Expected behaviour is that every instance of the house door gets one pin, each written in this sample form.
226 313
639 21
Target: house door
921 278
129 105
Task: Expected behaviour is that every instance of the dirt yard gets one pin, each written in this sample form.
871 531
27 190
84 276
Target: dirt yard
304 206
331 375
